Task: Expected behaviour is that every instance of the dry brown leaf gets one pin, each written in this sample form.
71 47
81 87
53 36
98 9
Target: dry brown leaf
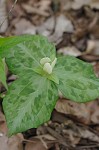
44 5
36 145
70 51
72 136
15 142
75 133
17 11
96 68
66 4
90 46
96 49
90 58
93 108
34 10
59 25
85 113
3 14
63 24
77 4
23 26
47 27
3 126
87 134
75 109
94 4
12 143
3 142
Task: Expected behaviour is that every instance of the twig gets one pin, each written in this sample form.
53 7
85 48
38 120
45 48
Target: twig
12 7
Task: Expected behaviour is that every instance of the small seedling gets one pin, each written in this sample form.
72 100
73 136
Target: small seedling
32 97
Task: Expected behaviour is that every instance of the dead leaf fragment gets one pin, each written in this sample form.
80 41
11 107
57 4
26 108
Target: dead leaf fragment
12 143
23 26
31 9
70 51
36 145
3 143
3 126
96 49
63 24
47 27
93 108
75 109
77 4
3 14
94 4
90 46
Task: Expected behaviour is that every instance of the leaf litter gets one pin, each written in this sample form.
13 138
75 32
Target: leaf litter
73 25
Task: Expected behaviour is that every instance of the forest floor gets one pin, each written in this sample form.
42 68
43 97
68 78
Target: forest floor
73 25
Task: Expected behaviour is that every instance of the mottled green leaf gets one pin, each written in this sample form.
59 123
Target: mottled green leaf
26 56
77 79
29 102
32 97
6 43
3 73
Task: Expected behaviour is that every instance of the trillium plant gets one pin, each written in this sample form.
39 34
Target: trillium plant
40 76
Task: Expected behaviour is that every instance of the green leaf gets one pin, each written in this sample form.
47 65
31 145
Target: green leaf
3 73
6 43
77 80
26 56
31 98
51 77
29 102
